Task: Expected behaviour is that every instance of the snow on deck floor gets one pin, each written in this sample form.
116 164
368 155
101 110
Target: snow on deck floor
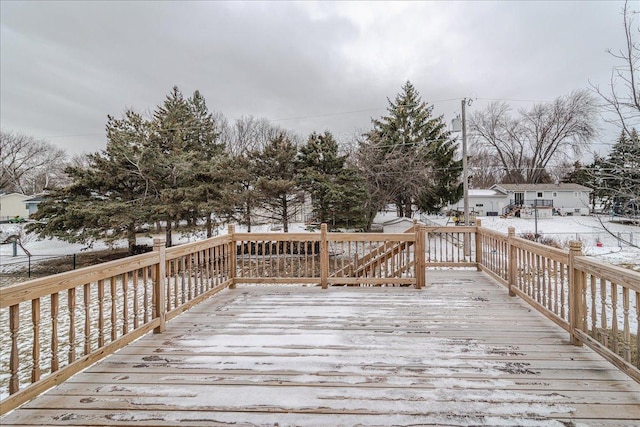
460 352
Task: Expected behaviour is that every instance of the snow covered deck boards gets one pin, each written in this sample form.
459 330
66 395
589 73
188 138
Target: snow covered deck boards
459 352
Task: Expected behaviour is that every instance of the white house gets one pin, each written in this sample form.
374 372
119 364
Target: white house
566 199
13 204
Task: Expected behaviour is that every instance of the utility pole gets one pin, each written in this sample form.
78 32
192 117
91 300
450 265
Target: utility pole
465 176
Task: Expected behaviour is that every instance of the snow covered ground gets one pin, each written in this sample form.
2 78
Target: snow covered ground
587 229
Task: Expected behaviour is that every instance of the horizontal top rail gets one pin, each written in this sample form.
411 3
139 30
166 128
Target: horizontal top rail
371 237
449 229
539 249
188 248
491 233
43 286
621 276
295 237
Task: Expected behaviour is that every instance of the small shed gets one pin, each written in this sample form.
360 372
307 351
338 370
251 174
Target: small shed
397 225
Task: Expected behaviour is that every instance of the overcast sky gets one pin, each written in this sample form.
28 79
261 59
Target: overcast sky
305 66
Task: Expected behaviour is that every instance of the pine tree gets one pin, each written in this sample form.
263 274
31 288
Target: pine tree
209 165
110 199
409 156
336 194
620 176
172 168
279 194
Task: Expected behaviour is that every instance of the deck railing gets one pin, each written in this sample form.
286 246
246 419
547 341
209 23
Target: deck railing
597 303
56 326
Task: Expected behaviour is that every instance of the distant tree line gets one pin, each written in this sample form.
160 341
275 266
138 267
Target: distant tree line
186 166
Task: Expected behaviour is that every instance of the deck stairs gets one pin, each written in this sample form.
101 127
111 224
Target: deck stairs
376 256
510 211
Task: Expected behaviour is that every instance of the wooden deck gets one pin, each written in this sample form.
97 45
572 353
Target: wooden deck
460 352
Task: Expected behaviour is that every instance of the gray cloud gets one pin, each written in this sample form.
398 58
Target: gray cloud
66 65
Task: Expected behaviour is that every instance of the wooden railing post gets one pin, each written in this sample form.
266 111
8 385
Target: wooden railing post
159 285
513 261
233 255
419 256
478 244
324 257
576 284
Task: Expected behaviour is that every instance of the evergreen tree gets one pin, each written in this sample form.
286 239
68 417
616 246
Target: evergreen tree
336 193
240 193
278 190
190 160
408 156
209 164
620 176
583 175
109 199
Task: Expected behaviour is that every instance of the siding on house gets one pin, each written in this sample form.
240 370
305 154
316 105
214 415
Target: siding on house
484 202
13 204
570 199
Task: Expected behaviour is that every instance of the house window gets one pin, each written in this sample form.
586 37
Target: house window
479 205
577 193
540 194
555 194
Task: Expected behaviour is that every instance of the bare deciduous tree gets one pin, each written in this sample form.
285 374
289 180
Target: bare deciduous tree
249 133
622 96
29 165
616 176
525 145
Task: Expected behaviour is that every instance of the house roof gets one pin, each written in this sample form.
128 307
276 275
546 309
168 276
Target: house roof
34 199
542 187
398 221
485 193
6 195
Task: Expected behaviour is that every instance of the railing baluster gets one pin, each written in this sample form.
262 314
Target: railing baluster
626 330
71 303
176 287
145 296
54 332
603 314
637 329
614 317
14 359
101 313
201 272
563 291
35 347
136 299
86 295
125 303
172 292
594 311
114 308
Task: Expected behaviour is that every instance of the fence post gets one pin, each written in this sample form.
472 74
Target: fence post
324 257
513 261
478 244
419 256
233 255
159 285
576 283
